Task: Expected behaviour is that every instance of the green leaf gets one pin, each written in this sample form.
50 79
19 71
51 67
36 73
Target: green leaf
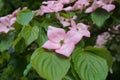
42 37
49 65
89 66
99 17
27 70
1 4
30 34
4 56
102 52
24 17
6 43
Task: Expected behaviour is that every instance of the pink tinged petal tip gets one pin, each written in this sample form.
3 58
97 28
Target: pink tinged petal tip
66 49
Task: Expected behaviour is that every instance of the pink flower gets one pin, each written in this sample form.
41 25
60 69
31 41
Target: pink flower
96 4
79 5
102 39
80 28
4 29
6 22
60 41
52 6
105 4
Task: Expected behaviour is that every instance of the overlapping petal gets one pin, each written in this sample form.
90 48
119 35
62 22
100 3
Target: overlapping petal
66 49
73 36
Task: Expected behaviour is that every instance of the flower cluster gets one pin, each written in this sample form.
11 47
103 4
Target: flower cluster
64 42
104 37
59 40
90 5
104 4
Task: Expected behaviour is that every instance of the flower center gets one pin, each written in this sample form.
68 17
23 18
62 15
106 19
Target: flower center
78 29
61 42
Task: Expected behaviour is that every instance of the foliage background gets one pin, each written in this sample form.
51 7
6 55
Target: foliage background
13 63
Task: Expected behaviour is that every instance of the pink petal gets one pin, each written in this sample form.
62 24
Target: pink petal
52 6
3 28
16 12
73 37
65 23
12 21
109 7
66 49
73 24
66 1
85 33
89 10
69 8
5 20
57 7
55 34
51 45
82 26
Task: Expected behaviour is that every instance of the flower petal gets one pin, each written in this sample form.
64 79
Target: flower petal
55 34
73 24
3 28
85 33
82 26
109 7
51 45
89 10
12 21
66 49
73 36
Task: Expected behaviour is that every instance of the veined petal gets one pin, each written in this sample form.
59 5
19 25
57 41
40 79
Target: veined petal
73 36
56 34
66 49
51 45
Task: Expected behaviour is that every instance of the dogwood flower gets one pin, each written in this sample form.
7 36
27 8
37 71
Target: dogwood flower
80 28
52 6
102 39
105 4
6 22
60 41
79 5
